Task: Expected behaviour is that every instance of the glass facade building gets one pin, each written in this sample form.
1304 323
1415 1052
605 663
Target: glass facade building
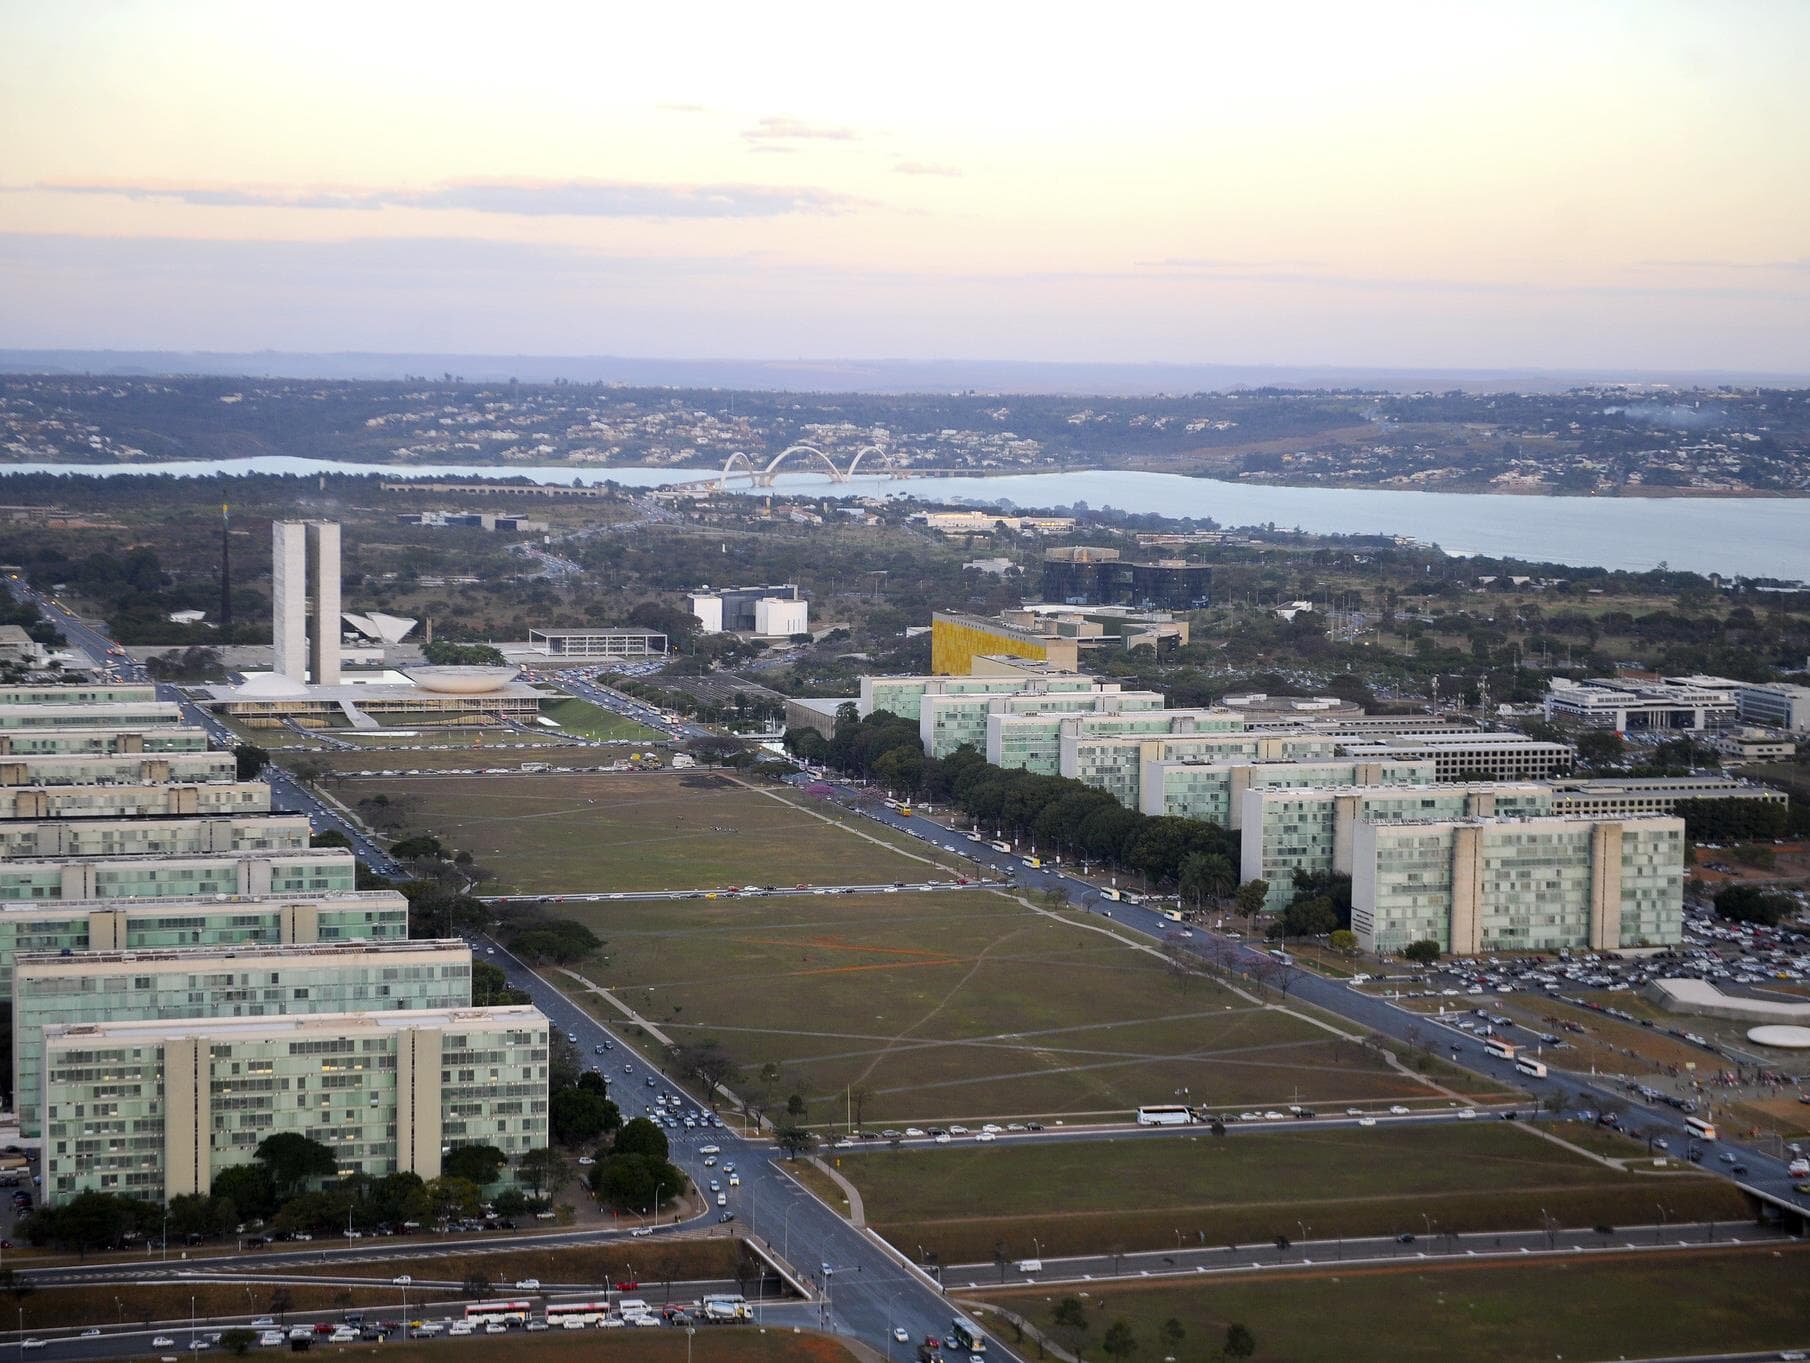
156 1110
313 870
217 983
116 769
134 802
153 837
1533 884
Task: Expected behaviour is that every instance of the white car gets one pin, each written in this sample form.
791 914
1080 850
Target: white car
900 1334
986 1136
401 1280
1366 1121
39 1344
342 1336
1398 1111
495 1327
993 1127
92 1332
642 1230
527 1285
1465 1114
163 1342
537 1325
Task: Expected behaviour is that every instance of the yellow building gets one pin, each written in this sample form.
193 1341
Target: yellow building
957 640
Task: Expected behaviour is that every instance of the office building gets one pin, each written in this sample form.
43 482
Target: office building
100 742
1534 884
781 617
80 693
1079 575
1616 796
1117 764
134 802
1779 705
186 985
1034 742
1214 790
304 576
1312 829
1469 756
904 696
154 1109
153 837
212 921
117 769
1627 704
957 640
318 870
732 610
946 722
597 644
125 714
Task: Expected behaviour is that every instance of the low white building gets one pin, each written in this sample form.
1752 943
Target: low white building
777 617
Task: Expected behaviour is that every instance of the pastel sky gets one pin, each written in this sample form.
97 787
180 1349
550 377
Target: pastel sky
1445 184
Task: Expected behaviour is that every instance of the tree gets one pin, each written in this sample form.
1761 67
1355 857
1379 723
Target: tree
1344 941
1070 1317
795 1105
1172 1332
1309 918
1250 896
249 1189
1118 1341
455 1197
251 760
795 1140
580 1116
1240 1342
641 1137
542 1170
1600 748
1423 952
636 1183
293 1159
238 1342
482 1164
707 1062
1206 875
1750 904
282 1302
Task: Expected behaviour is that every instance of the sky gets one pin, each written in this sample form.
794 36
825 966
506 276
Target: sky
1444 185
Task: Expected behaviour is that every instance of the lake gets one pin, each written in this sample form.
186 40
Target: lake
1745 536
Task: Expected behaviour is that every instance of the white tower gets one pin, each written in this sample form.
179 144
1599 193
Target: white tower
301 550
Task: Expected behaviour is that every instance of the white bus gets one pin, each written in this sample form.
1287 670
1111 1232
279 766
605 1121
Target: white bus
502 1312
1164 1114
1526 1064
967 1335
570 1315
1701 1129
1502 1050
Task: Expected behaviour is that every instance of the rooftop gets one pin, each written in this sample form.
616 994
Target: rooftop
367 899
203 956
310 1024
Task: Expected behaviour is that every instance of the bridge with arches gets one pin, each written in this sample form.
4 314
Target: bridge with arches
740 465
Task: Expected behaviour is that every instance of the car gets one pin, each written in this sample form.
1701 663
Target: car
726 1216
163 1342
1466 1113
536 1325
1405 1238
986 1136
495 1327
401 1280
196 1344
735 1180
642 1230
900 1334
1800 1187
1366 1121
586 1160
263 1323
1397 1110
913 1131
92 1332
527 1284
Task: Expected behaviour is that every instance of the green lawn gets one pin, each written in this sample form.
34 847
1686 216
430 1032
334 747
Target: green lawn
957 1005
1589 1308
593 721
547 833
1048 1199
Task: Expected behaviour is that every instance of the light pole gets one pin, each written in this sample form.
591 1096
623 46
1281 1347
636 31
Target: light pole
1664 1217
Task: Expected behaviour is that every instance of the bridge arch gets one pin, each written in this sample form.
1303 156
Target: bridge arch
861 454
730 463
836 474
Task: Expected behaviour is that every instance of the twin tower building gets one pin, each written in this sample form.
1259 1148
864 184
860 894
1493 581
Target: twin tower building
305 577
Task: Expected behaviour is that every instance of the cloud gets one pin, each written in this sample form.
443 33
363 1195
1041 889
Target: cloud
680 108
1802 263
926 168
516 198
775 129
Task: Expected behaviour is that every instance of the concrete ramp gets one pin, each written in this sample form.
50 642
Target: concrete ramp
358 718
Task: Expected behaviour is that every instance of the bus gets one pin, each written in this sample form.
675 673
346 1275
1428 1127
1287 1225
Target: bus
1526 1064
967 1335
1164 1114
502 1312
1502 1050
570 1315
1700 1128
905 810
